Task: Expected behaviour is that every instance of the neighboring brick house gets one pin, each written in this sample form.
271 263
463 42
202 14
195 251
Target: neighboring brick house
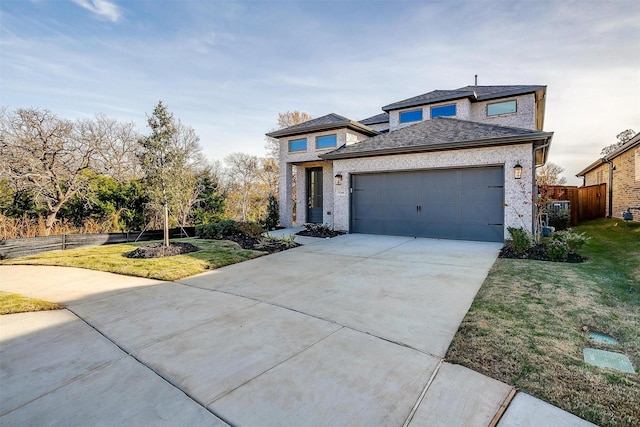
623 184
441 165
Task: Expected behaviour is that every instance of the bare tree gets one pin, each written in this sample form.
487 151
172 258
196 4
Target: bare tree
285 120
242 171
623 137
115 144
549 174
190 162
42 153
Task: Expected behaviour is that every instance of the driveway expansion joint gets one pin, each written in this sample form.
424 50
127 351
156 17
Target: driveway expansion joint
134 357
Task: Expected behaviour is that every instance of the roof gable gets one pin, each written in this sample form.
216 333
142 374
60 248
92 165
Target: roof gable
473 93
328 122
377 119
442 133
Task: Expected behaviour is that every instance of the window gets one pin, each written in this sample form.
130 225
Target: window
298 145
411 116
443 111
498 108
327 141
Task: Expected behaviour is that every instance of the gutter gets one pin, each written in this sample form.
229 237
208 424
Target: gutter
611 169
521 139
350 125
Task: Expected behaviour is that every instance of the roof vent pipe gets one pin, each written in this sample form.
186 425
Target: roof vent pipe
476 78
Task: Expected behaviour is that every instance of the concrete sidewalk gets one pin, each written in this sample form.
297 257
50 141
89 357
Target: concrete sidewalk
349 330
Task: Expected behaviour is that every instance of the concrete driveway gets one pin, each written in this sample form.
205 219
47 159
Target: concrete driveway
346 331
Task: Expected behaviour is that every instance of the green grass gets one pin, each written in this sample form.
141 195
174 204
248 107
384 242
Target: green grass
14 303
528 325
110 258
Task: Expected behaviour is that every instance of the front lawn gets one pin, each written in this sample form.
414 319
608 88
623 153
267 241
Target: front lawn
529 324
110 258
14 303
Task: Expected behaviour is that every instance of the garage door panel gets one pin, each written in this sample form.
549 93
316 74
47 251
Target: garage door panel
449 204
369 226
402 196
481 176
400 213
481 195
401 228
439 230
442 213
436 196
437 178
486 214
400 180
368 181
482 232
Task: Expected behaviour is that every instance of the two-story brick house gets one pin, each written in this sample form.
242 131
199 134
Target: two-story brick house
620 171
455 164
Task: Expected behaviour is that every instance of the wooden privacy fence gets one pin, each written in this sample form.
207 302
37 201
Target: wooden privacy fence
585 202
14 248
592 202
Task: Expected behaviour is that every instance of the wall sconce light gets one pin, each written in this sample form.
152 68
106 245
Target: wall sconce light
338 179
517 171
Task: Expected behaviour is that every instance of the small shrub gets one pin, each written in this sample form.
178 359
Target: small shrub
228 228
217 230
521 240
573 240
560 220
250 229
557 250
273 214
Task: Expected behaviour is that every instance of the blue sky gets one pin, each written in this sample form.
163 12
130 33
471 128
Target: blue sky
227 68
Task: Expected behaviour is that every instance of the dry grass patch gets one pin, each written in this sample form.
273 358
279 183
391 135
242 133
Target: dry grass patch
110 258
14 303
530 321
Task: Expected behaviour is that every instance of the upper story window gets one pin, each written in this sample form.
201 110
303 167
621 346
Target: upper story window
327 141
411 116
298 145
506 107
443 111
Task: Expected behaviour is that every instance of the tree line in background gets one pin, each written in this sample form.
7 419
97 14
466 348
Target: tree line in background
102 175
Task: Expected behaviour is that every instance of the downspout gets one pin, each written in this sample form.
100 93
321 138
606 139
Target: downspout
611 169
534 208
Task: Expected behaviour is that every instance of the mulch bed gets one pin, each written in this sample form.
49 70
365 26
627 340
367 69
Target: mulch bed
264 245
157 250
320 233
538 253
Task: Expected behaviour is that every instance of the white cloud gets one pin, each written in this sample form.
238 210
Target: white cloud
103 8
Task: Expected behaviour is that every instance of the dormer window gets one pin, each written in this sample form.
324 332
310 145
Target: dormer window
443 111
498 108
411 116
298 145
327 141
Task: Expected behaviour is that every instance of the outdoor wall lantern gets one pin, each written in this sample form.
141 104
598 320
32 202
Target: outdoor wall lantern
338 179
517 171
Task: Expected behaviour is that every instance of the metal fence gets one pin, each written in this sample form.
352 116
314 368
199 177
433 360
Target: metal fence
14 248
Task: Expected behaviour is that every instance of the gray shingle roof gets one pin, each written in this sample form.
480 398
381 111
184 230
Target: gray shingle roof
474 93
374 120
633 142
328 122
442 133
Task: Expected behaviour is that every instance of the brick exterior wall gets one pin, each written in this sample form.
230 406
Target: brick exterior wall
524 117
301 160
626 182
518 196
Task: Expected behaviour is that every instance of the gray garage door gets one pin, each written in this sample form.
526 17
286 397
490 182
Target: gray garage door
465 204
